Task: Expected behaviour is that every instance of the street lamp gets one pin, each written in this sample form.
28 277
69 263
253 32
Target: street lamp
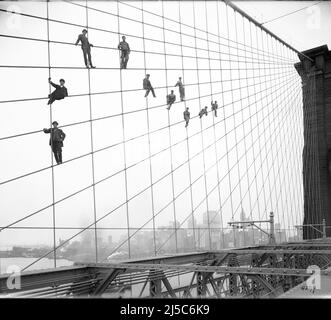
271 234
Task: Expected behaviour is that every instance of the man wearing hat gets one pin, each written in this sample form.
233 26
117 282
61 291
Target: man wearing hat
125 51
56 141
203 111
179 83
148 86
59 93
86 47
214 107
186 116
171 98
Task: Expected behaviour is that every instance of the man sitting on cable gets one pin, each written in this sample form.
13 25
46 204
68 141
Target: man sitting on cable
203 111
59 93
171 98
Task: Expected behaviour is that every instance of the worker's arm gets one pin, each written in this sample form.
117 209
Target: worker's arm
54 84
79 39
46 130
66 92
63 135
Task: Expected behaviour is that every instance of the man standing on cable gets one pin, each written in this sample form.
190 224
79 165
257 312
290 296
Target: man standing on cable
214 107
125 51
186 114
56 141
148 86
181 89
86 47
171 98
59 93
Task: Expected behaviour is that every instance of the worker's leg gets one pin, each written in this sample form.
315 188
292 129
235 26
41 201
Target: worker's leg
56 156
89 57
126 59
85 58
153 92
60 155
147 92
122 60
51 98
182 94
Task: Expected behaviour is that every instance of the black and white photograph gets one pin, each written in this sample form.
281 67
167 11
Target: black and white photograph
165 149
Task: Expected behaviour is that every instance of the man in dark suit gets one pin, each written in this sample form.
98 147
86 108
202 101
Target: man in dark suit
56 141
171 98
203 111
86 47
59 93
125 51
214 107
186 114
179 83
148 86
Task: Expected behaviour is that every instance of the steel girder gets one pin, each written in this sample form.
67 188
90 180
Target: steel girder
250 272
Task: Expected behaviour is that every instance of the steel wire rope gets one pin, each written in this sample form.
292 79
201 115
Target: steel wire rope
67 240
202 199
119 172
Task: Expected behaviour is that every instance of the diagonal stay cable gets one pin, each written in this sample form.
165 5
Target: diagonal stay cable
98 220
84 155
108 177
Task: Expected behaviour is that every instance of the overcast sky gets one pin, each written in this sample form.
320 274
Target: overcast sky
259 120
304 29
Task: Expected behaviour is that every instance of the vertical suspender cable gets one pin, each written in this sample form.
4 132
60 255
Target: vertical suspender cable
275 159
92 151
187 142
260 148
258 130
266 211
201 131
148 135
222 94
219 211
242 119
51 120
169 135
229 175
124 150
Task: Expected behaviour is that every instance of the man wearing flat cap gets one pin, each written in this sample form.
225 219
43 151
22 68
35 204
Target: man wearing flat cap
125 51
148 86
86 47
56 141
59 93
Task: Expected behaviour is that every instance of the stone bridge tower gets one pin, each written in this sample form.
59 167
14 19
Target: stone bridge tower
316 92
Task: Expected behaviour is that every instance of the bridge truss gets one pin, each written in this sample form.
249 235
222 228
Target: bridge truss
252 272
